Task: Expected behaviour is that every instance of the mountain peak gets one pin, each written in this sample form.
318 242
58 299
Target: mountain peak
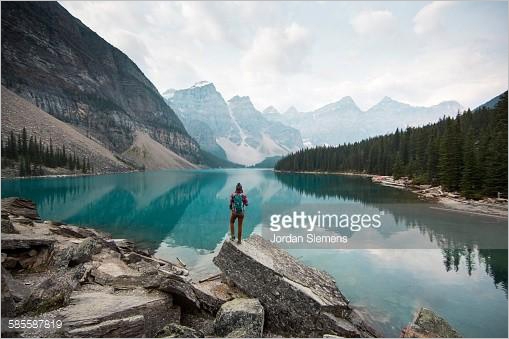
347 99
202 83
271 110
344 104
387 99
240 99
291 110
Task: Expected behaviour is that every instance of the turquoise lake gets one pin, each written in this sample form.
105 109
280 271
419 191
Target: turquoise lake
451 262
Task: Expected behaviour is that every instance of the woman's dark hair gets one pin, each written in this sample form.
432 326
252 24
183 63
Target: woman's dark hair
238 188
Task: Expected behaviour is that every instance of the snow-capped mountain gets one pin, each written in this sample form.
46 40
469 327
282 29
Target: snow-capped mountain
235 130
343 121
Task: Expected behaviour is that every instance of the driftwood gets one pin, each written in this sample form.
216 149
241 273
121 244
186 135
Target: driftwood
213 277
160 261
181 263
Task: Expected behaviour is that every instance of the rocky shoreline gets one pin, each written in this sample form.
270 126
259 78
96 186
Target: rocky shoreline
445 200
96 286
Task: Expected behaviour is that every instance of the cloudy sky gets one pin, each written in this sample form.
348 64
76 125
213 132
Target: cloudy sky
308 54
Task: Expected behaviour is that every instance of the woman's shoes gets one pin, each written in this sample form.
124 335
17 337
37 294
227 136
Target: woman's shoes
232 238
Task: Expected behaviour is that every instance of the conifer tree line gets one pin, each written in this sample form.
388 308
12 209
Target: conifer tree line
467 154
32 154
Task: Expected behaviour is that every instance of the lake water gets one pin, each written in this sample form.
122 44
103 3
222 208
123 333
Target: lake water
453 263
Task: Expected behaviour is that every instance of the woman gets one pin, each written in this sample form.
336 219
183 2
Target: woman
238 201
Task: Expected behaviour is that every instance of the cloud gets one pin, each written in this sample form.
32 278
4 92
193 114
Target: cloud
307 54
283 50
429 18
368 22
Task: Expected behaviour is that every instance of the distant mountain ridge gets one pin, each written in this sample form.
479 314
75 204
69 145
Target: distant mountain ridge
343 121
57 63
233 130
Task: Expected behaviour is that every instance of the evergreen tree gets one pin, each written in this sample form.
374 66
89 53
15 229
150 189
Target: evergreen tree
397 171
469 180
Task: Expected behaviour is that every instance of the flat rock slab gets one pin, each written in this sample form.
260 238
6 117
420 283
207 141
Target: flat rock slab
72 231
20 207
130 327
100 313
115 272
298 300
214 293
428 324
24 242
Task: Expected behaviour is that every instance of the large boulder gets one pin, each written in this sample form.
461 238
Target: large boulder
178 285
298 300
8 299
240 318
69 254
428 324
16 291
53 290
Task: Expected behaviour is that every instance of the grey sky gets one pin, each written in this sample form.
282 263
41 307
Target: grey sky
308 54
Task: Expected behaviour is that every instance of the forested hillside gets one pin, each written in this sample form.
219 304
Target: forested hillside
467 153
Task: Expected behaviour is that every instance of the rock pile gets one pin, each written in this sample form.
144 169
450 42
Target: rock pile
97 286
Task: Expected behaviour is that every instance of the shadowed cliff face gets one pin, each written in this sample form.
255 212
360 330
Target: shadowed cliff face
55 61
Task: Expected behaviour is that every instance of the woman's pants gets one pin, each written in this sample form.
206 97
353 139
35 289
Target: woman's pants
240 217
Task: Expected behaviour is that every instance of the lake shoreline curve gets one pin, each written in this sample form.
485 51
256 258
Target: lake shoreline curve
450 201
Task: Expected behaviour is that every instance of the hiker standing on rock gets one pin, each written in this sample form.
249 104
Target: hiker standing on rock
238 201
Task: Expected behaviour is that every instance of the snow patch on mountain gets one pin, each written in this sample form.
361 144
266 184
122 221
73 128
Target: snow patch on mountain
169 93
240 154
201 84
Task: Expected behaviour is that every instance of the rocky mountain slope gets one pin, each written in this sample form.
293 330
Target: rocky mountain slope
493 102
234 130
147 153
57 63
205 114
18 113
343 121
